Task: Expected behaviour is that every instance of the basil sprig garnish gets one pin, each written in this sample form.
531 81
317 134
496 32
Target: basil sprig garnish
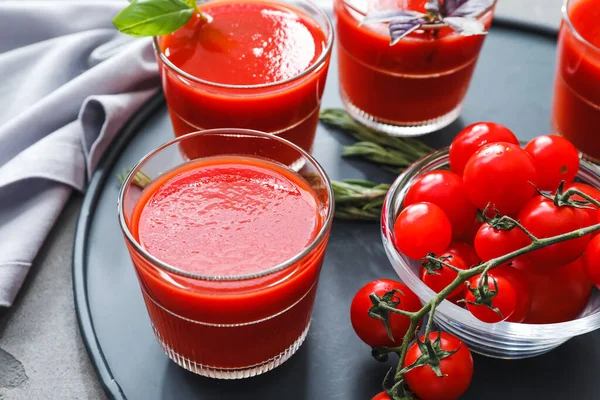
154 17
460 15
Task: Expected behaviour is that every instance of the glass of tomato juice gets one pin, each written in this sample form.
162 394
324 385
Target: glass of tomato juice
414 87
255 64
576 108
227 248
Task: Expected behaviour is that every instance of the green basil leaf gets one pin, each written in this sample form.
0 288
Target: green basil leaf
154 17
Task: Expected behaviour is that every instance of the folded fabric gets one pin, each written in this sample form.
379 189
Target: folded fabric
69 82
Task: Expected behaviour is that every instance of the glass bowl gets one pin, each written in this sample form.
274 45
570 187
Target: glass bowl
502 340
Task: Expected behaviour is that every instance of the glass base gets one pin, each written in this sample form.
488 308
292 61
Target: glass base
232 373
404 130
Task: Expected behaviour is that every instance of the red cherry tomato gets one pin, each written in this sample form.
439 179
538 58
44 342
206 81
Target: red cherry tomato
446 190
457 370
590 191
591 259
555 159
519 283
543 219
381 396
443 277
558 295
505 300
493 243
371 330
422 228
472 138
500 174
464 251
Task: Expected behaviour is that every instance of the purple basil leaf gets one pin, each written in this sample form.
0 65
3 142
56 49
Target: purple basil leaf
466 8
382 16
466 26
399 29
451 5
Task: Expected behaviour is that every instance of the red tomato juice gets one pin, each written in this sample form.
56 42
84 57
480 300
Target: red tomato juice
576 109
251 64
228 217
423 77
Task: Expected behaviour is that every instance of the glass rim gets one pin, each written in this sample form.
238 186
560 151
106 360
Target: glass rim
567 20
318 62
426 26
318 239
451 311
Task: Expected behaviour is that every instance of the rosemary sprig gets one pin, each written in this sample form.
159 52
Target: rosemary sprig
391 152
362 200
339 118
359 199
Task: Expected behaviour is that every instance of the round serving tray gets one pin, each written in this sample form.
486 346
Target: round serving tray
512 85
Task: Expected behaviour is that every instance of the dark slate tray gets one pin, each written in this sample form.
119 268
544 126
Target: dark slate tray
512 85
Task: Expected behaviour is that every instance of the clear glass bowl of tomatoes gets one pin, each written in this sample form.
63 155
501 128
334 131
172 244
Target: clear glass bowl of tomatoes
506 340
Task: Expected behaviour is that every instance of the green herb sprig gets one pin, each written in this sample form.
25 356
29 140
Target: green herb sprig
358 199
155 17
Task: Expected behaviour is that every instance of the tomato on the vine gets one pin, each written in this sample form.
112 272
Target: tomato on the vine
555 158
544 219
464 251
591 260
422 228
505 299
519 283
443 277
446 190
457 370
557 295
472 138
371 330
590 191
493 243
501 175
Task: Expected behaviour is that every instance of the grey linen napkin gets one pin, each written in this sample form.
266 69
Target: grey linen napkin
68 82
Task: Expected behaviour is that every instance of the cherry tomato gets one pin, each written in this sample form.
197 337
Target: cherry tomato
472 138
457 370
443 277
422 228
543 219
500 174
555 159
464 251
558 295
591 259
381 396
493 243
446 190
505 300
519 283
590 191
371 330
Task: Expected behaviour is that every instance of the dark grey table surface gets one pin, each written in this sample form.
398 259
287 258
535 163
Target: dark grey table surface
41 352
